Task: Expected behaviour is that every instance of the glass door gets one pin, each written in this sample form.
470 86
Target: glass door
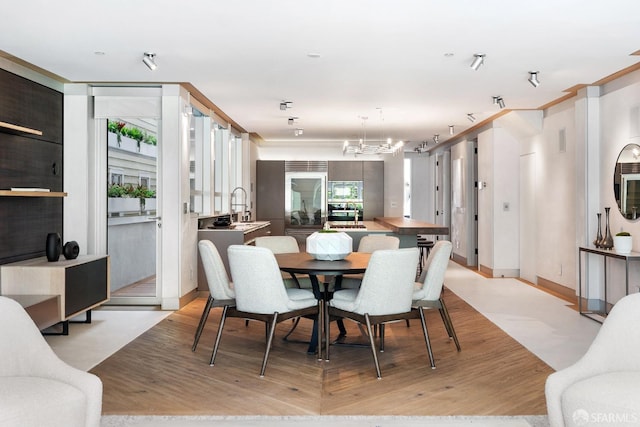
132 217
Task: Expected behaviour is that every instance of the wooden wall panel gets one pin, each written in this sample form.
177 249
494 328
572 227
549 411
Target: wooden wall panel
29 104
33 161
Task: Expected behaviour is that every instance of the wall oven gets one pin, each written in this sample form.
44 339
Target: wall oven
345 199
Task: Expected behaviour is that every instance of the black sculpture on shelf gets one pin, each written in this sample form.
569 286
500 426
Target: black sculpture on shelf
71 250
54 247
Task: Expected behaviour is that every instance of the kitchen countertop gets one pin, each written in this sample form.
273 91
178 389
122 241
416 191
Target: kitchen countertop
245 227
361 226
401 225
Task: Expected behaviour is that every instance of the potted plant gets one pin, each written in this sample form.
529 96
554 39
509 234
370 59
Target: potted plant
117 129
622 242
121 199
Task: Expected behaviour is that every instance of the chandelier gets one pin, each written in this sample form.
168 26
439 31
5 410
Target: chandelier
372 146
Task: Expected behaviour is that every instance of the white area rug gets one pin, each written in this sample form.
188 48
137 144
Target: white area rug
322 421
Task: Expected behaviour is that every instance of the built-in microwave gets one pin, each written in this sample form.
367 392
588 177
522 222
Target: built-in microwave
344 199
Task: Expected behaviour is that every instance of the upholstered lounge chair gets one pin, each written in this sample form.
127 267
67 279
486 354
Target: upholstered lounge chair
36 387
603 387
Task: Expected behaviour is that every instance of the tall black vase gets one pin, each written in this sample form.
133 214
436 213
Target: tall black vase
598 242
607 240
54 247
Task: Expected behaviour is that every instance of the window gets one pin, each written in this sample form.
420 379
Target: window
116 176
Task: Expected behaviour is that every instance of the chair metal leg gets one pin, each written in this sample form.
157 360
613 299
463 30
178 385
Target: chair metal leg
373 345
448 322
320 323
203 320
272 331
219 335
426 337
382 337
327 331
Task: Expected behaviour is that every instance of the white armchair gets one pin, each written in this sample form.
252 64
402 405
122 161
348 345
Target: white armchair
36 387
603 387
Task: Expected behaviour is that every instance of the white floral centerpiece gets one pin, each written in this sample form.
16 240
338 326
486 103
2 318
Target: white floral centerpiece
329 245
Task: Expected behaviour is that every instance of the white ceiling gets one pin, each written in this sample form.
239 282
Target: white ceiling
247 56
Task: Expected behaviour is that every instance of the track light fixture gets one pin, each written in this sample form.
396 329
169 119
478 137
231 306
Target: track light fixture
451 130
149 60
436 138
285 105
422 147
478 60
497 100
292 120
471 117
533 78
298 131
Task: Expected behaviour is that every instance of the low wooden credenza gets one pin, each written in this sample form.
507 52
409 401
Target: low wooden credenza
79 284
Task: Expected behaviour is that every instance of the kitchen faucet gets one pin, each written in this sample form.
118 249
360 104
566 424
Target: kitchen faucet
355 211
243 204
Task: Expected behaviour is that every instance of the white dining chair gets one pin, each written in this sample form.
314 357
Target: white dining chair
428 291
384 296
261 294
221 293
285 245
368 244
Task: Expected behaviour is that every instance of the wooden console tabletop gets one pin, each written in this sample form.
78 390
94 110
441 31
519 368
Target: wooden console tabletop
401 225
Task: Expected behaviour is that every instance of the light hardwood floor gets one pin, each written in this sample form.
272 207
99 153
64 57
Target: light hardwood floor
158 374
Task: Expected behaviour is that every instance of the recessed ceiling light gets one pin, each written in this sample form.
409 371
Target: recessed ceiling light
98 52
448 54
313 55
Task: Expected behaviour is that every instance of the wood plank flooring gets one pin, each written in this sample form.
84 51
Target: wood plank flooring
158 374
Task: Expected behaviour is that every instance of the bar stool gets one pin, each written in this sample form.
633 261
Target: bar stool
424 245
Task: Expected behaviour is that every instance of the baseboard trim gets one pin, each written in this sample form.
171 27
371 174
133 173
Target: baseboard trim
459 259
559 290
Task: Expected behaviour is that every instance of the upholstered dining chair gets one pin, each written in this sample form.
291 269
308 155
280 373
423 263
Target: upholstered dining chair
285 245
36 387
428 291
261 294
384 296
369 244
221 293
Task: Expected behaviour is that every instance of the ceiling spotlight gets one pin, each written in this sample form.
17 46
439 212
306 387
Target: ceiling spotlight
285 104
497 100
291 120
298 132
436 138
533 78
450 129
477 61
149 60
471 117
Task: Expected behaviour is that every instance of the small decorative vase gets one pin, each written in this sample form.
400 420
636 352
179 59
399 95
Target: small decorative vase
607 241
71 250
598 240
622 244
54 247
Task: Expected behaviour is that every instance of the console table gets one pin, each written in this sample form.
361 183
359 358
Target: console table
598 315
79 284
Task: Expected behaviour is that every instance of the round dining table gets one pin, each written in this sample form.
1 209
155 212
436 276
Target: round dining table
305 263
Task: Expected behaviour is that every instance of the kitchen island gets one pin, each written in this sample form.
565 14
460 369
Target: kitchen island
237 233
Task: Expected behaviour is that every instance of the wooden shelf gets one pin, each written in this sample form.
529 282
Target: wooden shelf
9 193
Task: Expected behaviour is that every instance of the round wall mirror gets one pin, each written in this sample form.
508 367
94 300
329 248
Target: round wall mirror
626 182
